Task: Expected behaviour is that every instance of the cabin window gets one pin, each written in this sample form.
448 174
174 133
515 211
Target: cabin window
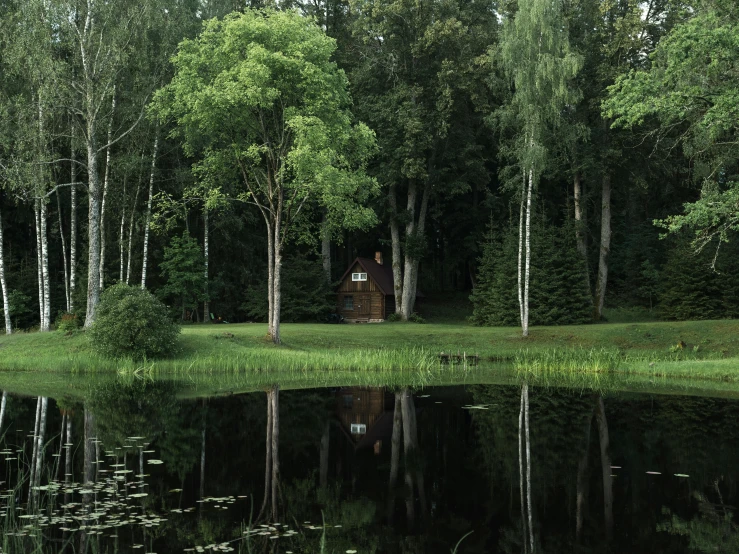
359 276
359 429
348 302
348 401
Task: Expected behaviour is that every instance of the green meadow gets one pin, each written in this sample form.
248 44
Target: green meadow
389 351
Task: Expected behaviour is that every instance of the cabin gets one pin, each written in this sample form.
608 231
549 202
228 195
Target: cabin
366 292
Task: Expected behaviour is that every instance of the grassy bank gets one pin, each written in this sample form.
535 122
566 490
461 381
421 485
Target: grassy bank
711 349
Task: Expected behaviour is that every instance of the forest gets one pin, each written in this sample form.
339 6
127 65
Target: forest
548 159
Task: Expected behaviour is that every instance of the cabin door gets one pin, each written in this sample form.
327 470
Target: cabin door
365 302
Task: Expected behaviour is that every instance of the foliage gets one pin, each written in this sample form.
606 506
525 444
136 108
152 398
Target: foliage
182 267
305 294
132 323
559 294
691 287
689 96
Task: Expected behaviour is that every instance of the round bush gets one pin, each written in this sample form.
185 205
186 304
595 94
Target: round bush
132 323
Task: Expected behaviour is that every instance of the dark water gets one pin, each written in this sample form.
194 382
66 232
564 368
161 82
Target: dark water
133 469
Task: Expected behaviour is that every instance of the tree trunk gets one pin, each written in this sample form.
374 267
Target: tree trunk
520 247
605 464
46 321
206 262
106 180
582 246
4 287
93 224
73 229
122 235
40 262
64 251
130 233
605 247
277 271
527 268
410 228
326 250
148 210
396 246
270 275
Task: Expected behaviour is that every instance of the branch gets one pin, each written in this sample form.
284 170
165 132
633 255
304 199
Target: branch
130 129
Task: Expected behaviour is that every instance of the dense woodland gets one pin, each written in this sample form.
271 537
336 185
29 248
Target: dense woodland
547 157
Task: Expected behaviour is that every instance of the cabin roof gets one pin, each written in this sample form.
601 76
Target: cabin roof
382 275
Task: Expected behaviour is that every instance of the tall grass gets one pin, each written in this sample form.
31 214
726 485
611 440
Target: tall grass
567 360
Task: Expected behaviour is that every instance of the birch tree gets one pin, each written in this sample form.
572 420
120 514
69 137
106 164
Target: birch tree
4 286
536 55
257 95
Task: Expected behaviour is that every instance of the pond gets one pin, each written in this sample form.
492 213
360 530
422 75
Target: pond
133 467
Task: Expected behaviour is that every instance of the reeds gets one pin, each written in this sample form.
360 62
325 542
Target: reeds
567 360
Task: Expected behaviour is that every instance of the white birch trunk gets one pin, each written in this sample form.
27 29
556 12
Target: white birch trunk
206 262
121 235
39 261
106 180
277 278
130 234
64 251
46 321
73 230
520 247
270 275
4 287
397 255
605 247
527 268
148 211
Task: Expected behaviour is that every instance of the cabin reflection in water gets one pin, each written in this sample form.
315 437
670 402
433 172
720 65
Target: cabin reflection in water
366 416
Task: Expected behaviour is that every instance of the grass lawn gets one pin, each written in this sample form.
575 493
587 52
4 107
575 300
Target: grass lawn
712 348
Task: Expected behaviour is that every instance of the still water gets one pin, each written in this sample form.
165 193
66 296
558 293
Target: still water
132 468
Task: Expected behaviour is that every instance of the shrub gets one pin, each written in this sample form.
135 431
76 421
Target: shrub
393 317
132 323
415 318
67 322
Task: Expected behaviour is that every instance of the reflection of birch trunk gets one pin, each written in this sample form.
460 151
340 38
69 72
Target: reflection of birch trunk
39 449
582 474
2 409
88 467
275 449
325 441
520 473
524 454
68 459
394 455
58 464
34 443
272 461
202 460
605 463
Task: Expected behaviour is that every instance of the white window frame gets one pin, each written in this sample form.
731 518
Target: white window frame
359 429
359 276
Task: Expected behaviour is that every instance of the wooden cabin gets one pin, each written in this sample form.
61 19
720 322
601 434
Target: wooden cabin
366 292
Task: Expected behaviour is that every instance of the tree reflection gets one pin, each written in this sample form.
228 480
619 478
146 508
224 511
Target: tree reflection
270 502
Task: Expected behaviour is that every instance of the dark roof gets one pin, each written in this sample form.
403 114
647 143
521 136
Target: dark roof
382 275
